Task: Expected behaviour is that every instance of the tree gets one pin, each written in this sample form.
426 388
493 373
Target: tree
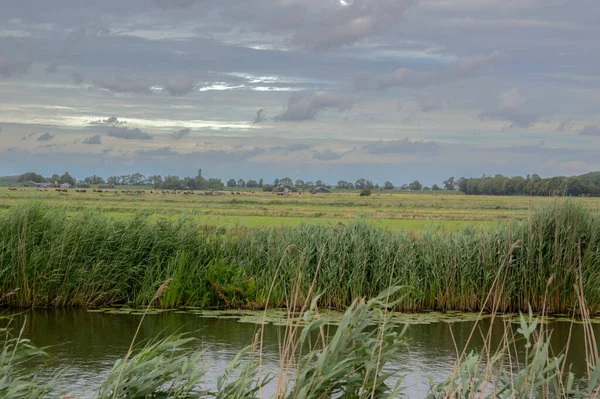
404 187
361 184
55 178
388 185
251 184
365 192
435 187
215 184
172 183
200 181
449 183
415 186
241 183
66 178
319 183
268 187
189 183
276 182
231 183
30 176
260 182
94 180
299 183
286 181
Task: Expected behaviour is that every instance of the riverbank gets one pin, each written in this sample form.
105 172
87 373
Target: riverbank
50 258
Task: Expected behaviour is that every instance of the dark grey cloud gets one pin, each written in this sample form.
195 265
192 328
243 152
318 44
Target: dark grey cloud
341 25
590 130
513 108
562 127
157 152
30 135
128 134
112 121
93 140
15 57
179 85
260 116
404 146
166 4
302 107
329 155
76 77
294 147
404 77
123 86
52 68
181 133
45 137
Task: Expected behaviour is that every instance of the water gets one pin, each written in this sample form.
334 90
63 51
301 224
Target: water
89 343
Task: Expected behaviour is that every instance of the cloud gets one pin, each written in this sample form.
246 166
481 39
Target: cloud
181 133
259 116
429 103
179 85
343 25
165 4
404 77
128 134
76 77
15 58
404 146
123 86
52 68
112 120
590 130
513 108
295 147
158 152
45 137
562 127
329 155
306 107
93 140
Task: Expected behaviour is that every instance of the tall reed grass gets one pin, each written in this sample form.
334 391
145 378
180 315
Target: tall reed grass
51 259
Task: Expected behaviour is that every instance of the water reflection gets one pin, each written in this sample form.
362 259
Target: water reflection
90 343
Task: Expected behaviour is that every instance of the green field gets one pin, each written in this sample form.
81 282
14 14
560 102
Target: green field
395 211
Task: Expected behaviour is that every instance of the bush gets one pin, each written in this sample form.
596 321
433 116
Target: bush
365 193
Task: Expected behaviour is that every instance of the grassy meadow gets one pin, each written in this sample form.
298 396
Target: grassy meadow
394 211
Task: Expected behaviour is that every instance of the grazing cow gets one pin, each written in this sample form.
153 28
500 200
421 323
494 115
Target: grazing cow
12 189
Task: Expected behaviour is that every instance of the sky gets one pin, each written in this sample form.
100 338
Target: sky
314 89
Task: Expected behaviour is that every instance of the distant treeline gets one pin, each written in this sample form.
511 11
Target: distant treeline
532 185
587 185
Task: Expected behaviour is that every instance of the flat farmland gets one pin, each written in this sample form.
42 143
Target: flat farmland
395 210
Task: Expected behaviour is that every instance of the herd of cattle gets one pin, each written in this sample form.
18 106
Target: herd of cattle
138 192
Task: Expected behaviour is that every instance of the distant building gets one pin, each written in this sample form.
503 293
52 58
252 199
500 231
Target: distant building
65 185
320 190
42 185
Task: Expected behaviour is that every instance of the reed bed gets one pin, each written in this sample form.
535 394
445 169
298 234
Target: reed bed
52 258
